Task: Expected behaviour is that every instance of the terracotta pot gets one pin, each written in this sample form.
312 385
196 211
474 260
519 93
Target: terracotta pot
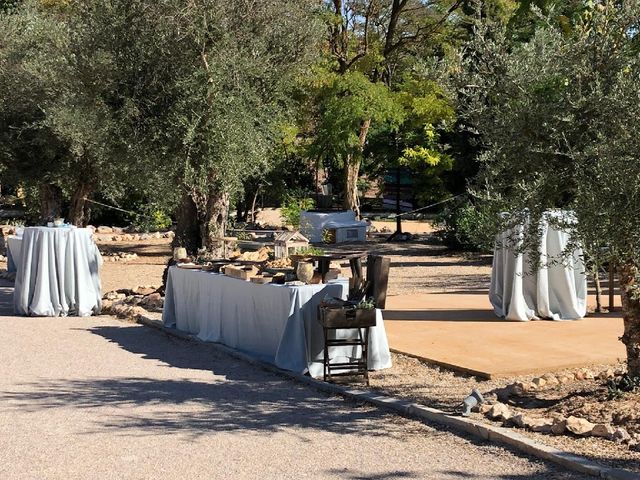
304 271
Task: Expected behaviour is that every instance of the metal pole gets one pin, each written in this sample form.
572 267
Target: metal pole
611 285
398 211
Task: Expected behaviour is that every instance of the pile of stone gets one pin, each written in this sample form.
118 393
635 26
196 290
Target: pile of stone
555 424
118 256
118 234
549 380
130 303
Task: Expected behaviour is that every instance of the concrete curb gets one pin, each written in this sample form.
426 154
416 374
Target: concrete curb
412 410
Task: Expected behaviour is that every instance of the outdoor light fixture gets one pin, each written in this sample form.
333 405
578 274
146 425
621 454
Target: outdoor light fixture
471 401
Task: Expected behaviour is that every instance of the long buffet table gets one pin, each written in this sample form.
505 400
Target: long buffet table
275 323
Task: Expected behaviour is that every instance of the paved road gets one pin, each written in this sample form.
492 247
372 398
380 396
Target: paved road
100 398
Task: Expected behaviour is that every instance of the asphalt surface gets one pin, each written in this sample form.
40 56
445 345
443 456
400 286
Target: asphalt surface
98 398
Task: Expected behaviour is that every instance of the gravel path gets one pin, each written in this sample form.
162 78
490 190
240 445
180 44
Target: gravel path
100 398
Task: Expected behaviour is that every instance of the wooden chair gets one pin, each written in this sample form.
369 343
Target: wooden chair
333 319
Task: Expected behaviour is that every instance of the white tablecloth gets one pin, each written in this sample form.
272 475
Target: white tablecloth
557 291
14 247
275 323
58 273
312 224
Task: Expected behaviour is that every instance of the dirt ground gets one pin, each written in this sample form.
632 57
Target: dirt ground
420 266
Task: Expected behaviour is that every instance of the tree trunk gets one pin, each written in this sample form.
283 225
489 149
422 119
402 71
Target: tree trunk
241 210
78 210
252 213
213 226
352 172
50 202
187 229
596 281
630 293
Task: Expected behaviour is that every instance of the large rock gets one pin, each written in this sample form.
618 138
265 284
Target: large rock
153 301
144 290
535 424
621 435
539 382
114 296
518 389
579 426
103 229
499 411
551 379
606 374
519 420
559 426
603 430
543 425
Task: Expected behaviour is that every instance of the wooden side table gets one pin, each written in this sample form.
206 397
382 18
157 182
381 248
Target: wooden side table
338 318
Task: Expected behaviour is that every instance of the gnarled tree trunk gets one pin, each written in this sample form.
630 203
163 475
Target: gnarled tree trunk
214 221
351 199
50 201
187 229
79 210
352 171
630 293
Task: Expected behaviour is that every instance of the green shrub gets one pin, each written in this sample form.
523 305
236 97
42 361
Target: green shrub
463 226
151 219
617 387
292 205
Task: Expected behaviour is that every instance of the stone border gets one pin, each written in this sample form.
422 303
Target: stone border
412 410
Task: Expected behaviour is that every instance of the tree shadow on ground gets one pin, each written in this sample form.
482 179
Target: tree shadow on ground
6 298
254 401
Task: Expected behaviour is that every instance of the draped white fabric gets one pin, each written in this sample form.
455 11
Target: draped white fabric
58 273
275 323
14 247
557 291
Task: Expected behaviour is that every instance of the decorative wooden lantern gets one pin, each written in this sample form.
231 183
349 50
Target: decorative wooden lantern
290 243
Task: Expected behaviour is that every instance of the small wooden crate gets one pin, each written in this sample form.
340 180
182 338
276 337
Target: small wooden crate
347 317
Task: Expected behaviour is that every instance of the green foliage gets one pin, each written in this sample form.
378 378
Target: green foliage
346 101
310 251
293 205
617 387
557 117
151 219
366 304
462 227
416 143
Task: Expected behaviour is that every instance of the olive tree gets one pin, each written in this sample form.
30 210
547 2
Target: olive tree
208 95
558 120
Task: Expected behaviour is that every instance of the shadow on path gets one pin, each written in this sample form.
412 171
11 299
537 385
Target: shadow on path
254 401
6 298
